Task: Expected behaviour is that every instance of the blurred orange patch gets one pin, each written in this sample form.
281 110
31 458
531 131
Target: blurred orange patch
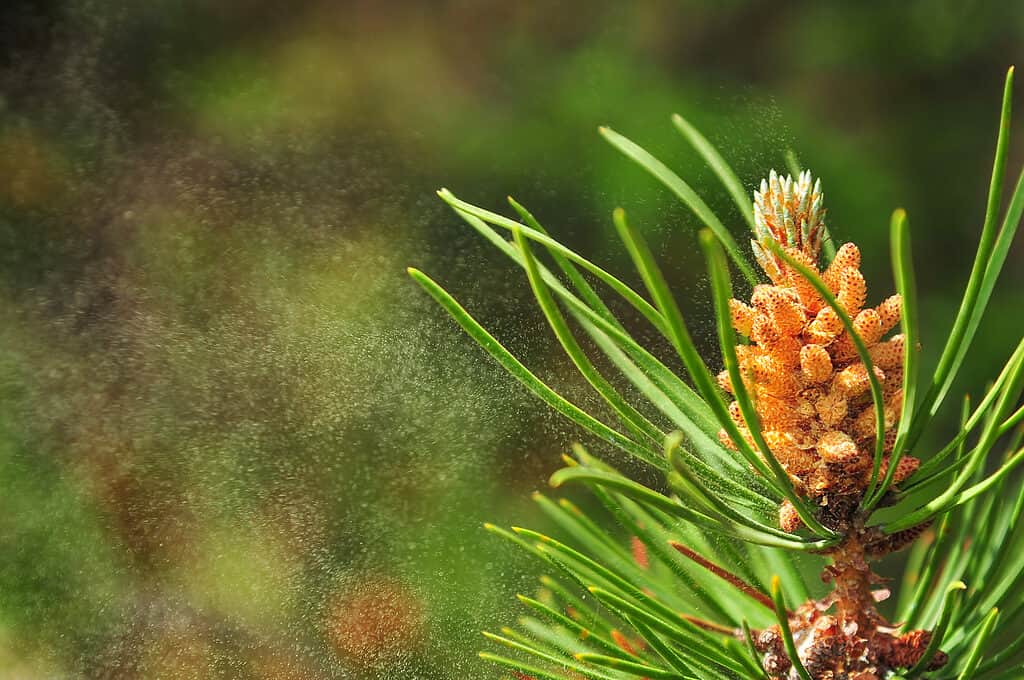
374 623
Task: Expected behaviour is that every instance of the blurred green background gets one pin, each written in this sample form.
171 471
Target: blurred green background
236 441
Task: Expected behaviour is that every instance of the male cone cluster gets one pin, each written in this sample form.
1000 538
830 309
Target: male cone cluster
801 368
812 395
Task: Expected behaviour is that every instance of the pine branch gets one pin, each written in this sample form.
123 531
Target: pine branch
821 438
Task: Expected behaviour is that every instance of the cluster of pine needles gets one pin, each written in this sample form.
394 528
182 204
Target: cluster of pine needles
788 469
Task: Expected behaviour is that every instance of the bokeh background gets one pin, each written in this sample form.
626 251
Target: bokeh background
236 441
